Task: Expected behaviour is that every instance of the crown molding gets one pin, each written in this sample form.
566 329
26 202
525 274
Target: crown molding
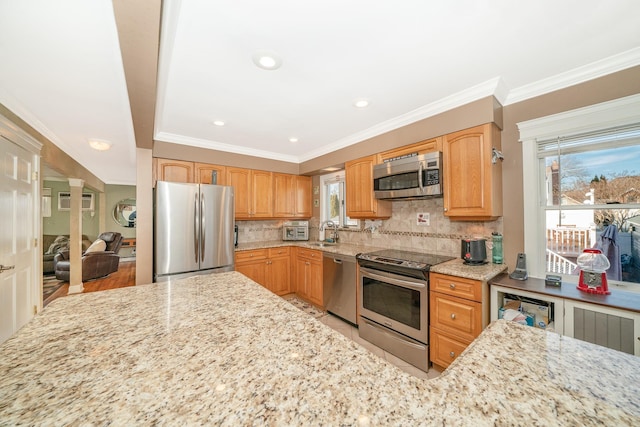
591 71
488 88
213 145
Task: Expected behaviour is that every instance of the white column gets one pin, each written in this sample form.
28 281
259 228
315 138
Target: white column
144 224
75 236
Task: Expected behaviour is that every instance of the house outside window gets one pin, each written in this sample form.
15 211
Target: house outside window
333 200
581 174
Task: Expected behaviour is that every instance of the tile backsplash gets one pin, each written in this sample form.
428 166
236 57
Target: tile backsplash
402 231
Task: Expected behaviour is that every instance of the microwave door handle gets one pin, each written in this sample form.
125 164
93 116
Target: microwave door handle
420 183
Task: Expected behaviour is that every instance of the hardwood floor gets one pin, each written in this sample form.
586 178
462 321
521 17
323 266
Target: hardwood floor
125 276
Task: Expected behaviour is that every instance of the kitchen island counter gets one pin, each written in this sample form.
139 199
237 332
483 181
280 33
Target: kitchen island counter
220 349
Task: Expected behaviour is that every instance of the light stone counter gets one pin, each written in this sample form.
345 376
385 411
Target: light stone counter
222 350
457 267
346 249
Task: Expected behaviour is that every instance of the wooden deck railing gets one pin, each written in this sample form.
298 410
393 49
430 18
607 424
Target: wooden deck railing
570 241
559 264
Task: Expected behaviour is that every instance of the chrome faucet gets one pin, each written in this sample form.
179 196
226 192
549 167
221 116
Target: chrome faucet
333 225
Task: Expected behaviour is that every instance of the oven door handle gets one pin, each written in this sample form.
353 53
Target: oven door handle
404 283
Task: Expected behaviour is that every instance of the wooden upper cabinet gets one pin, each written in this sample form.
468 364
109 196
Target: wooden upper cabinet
472 183
361 203
174 170
262 194
291 196
422 147
302 190
204 173
283 195
240 180
253 192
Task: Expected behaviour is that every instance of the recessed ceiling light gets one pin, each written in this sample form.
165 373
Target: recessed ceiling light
293 139
267 60
218 122
361 103
99 144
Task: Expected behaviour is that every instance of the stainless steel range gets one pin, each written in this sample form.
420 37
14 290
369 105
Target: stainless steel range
393 290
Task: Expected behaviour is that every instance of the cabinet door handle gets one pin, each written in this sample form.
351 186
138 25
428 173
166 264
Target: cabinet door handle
452 285
453 315
452 354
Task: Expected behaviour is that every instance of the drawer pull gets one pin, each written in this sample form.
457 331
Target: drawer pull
452 285
452 354
453 315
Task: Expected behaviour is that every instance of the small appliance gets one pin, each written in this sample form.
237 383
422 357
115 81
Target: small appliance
409 177
474 251
593 272
295 230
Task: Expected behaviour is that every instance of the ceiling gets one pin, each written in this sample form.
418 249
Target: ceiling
62 68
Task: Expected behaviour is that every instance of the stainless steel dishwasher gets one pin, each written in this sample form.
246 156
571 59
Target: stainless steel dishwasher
339 285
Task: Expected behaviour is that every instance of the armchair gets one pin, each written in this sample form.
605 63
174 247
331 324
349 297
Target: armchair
95 264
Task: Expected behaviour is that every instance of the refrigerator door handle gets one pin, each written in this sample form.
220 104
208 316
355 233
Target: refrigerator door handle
196 228
202 227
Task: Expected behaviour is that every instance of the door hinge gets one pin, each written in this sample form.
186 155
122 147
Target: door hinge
35 309
34 175
35 242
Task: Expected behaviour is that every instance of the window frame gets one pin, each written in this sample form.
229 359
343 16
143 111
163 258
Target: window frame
333 177
619 112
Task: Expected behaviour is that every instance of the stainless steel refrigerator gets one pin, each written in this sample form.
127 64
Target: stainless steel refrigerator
193 230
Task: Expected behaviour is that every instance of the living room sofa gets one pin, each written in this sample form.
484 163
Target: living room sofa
49 250
95 263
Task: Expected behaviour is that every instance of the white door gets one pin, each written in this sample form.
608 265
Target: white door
18 193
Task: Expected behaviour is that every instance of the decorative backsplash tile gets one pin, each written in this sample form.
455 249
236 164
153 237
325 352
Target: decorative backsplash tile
401 231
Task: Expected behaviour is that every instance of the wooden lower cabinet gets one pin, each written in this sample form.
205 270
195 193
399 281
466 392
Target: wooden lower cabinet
308 275
279 270
285 270
253 264
269 267
457 316
444 348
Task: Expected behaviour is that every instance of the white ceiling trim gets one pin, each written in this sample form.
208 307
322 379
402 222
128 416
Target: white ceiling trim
488 88
212 145
612 64
25 114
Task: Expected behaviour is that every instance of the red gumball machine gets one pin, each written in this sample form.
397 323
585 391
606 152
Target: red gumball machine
593 272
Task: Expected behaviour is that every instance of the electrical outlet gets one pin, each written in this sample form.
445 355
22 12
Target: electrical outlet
422 218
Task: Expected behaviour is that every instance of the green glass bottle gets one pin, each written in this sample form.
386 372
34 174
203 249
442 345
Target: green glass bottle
496 252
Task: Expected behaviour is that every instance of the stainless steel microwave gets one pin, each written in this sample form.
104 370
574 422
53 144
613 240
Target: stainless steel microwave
412 177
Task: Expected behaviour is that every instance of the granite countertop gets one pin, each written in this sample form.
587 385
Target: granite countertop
346 249
457 267
221 349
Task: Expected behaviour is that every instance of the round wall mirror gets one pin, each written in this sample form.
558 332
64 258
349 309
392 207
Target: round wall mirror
124 213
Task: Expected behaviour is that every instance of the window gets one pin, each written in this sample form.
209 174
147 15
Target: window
581 170
333 196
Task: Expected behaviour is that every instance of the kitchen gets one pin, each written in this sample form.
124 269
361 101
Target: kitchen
618 84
